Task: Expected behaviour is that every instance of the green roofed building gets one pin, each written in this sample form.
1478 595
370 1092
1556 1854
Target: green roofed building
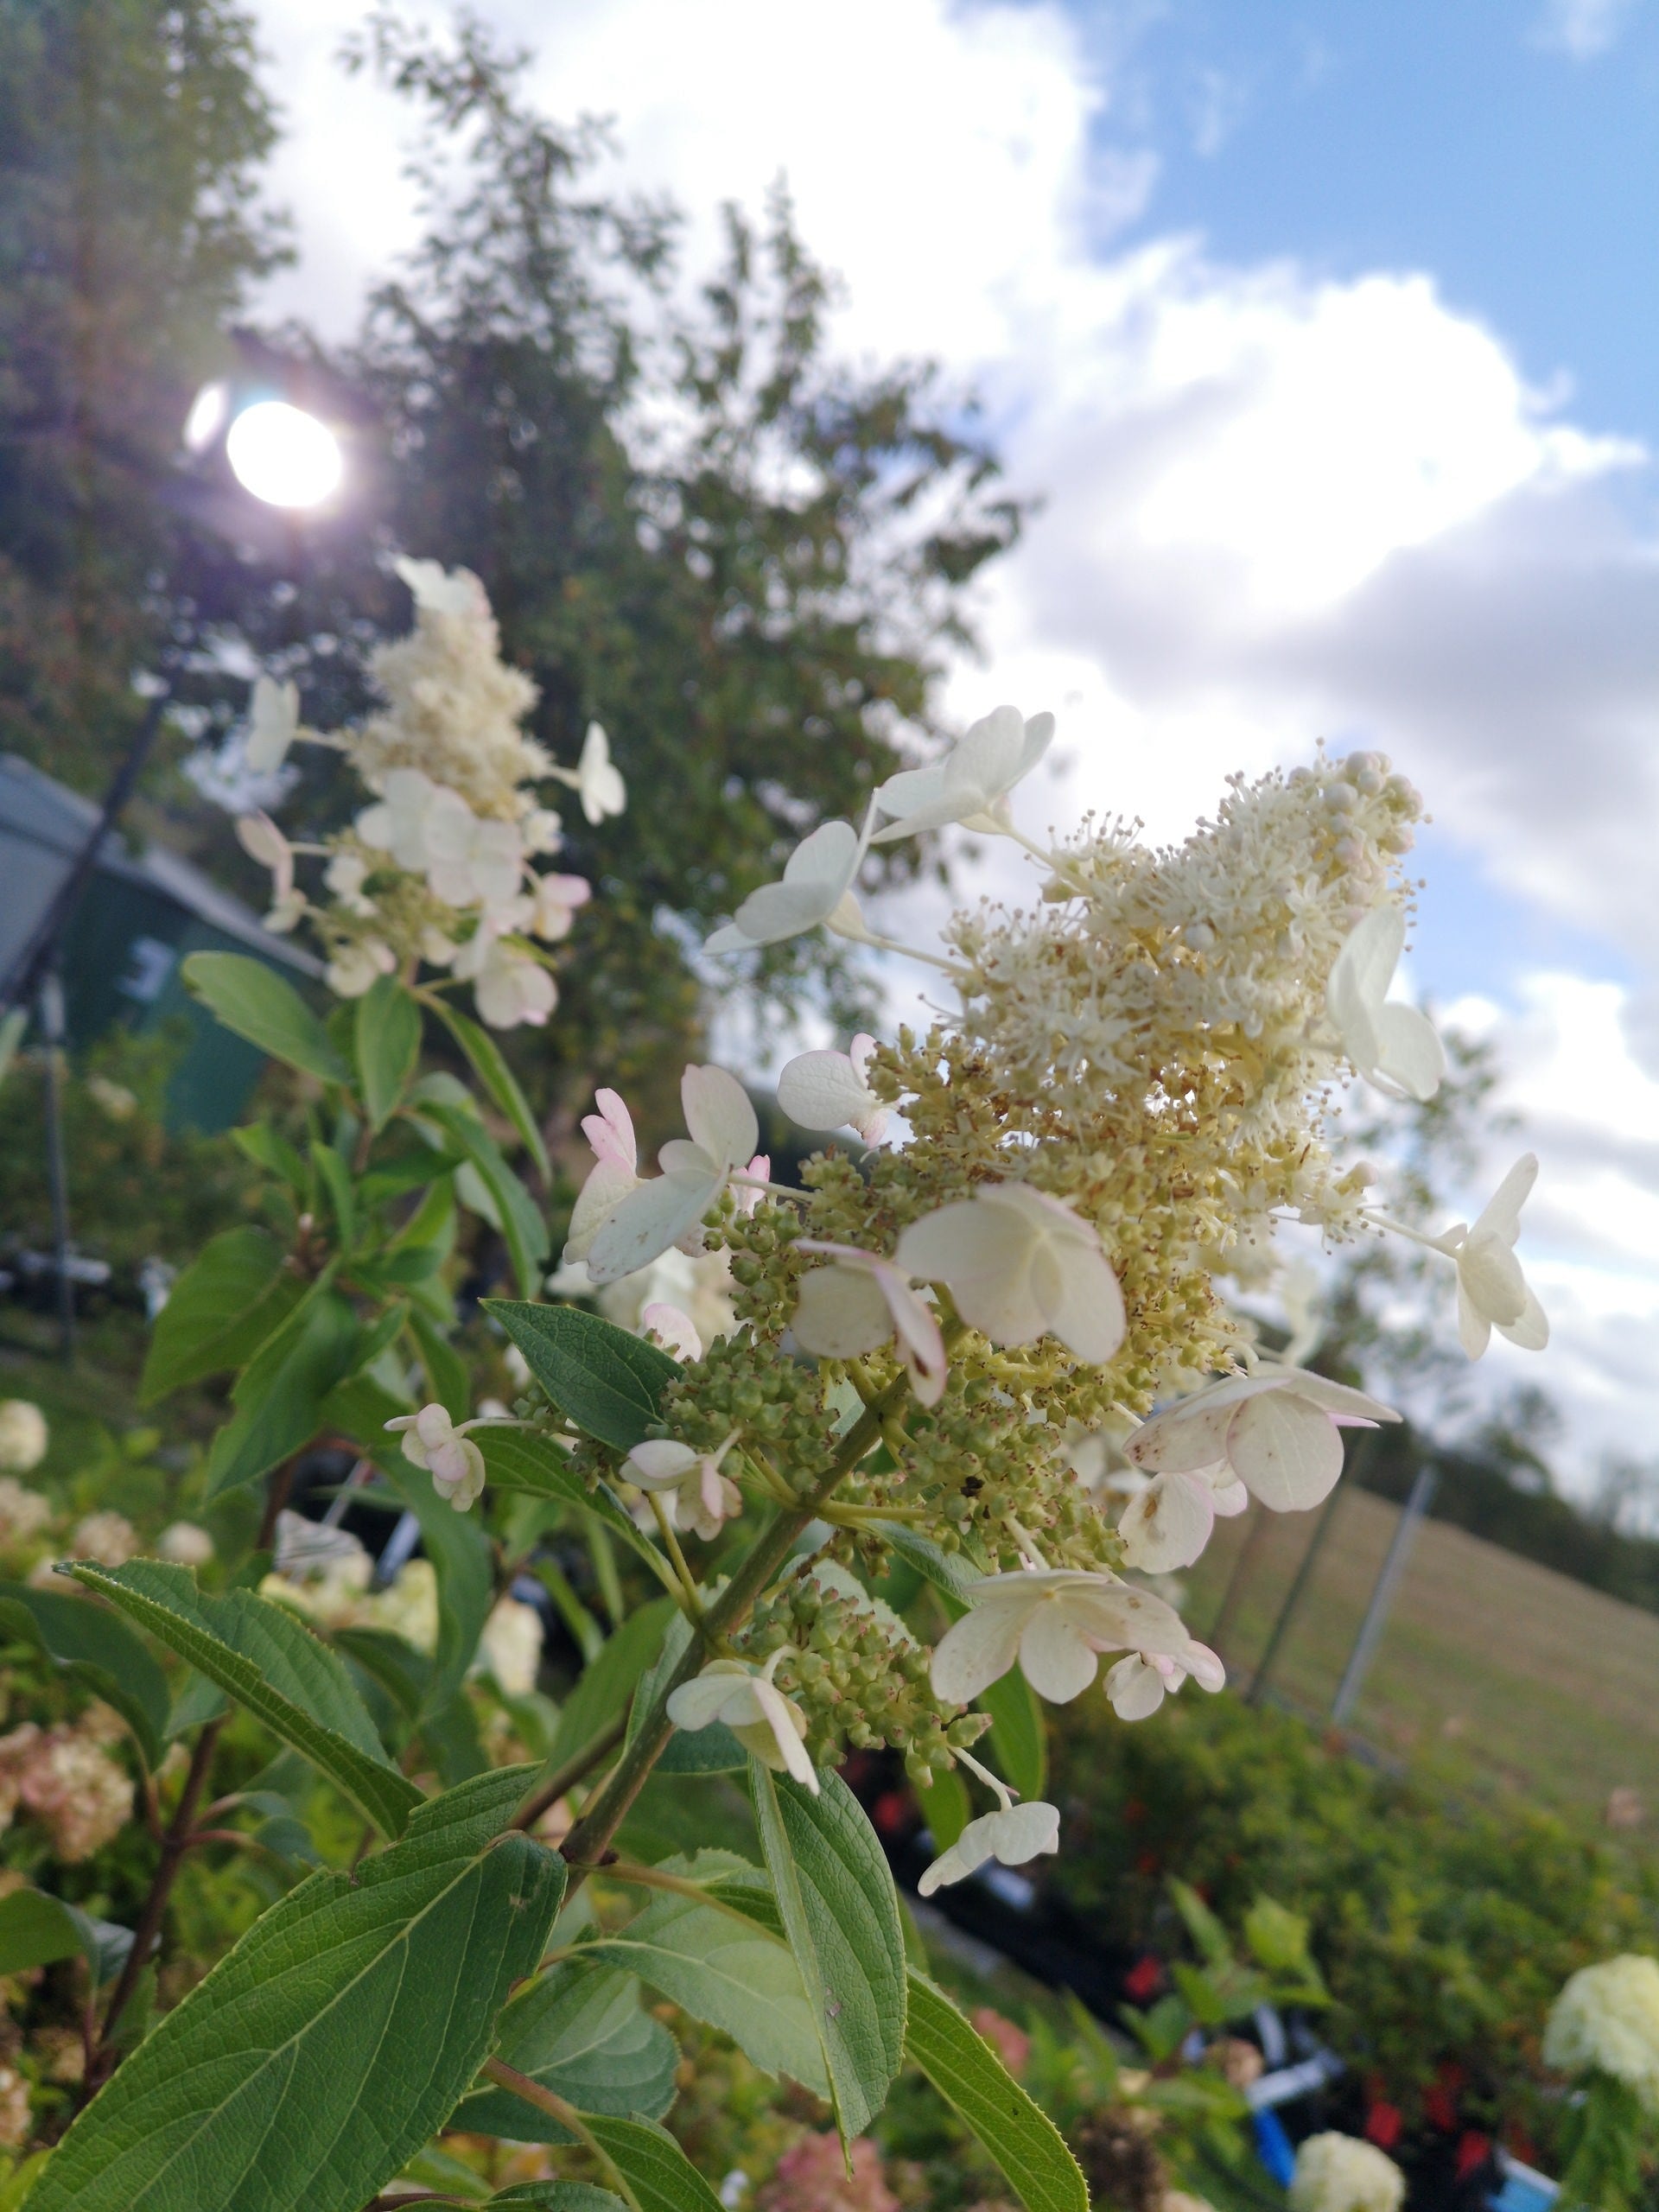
141 916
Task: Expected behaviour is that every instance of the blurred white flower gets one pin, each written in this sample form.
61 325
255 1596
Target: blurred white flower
541 830
597 783
432 1440
1492 1292
758 1714
1054 1622
1394 1047
554 902
185 1544
454 592
826 1090
273 724
397 821
108 1537
695 1170
261 839
971 785
511 1646
1606 2021
1278 1431
817 888
344 875
354 967
510 986
1012 1834
470 861
1020 1265
23 1435
702 1497
861 1301
1340 2173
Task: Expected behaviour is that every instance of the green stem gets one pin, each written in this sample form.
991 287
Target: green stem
590 1838
509 2077
570 1771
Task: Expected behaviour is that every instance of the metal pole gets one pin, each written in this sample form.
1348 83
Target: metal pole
1299 1583
1376 1612
51 1013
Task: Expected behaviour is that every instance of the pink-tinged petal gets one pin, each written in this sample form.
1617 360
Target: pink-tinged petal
1169 1524
675 1331
1053 1657
1231 1497
916 1327
1289 1452
1205 1667
1116 1617
433 1427
976 1651
644 1225
984 1254
1337 1398
841 1313
659 1463
609 1131
608 1183
719 1116
1080 1299
1044 1215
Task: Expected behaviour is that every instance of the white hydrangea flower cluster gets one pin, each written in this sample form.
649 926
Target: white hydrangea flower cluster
438 868
23 1435
1606 2021
1341 2173
1130 1106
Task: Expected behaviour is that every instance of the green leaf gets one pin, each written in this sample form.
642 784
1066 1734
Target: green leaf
608 1682
460 1553
35 1930
971 2078
582 2032
337 2037
274 1153
727 1971
554 2197
947 1571
386 1041
945 1806
516 1459
447 1374
490 1068
252 999
335 1178
841 1913
404 1673
652 2165
13 2190
258 1653
1018 1736
97 1650
610 1383
278 1397
713 1750
220 1311
520 1216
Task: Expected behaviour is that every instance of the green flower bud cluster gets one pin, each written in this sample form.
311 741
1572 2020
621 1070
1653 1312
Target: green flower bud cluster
857 1674
774 1402
978 1464
764 1265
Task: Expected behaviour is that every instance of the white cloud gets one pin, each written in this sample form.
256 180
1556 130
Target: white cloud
1581 28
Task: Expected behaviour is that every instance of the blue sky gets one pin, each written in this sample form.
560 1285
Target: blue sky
1325 335
1466 137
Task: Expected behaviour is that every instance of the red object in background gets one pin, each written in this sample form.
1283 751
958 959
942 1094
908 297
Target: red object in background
891 1812
1474 2151
1521 2145
1383 2124
1146 1862
1440 2102
1144 1979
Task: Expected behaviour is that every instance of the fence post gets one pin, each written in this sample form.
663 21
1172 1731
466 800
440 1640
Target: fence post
1376 1612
